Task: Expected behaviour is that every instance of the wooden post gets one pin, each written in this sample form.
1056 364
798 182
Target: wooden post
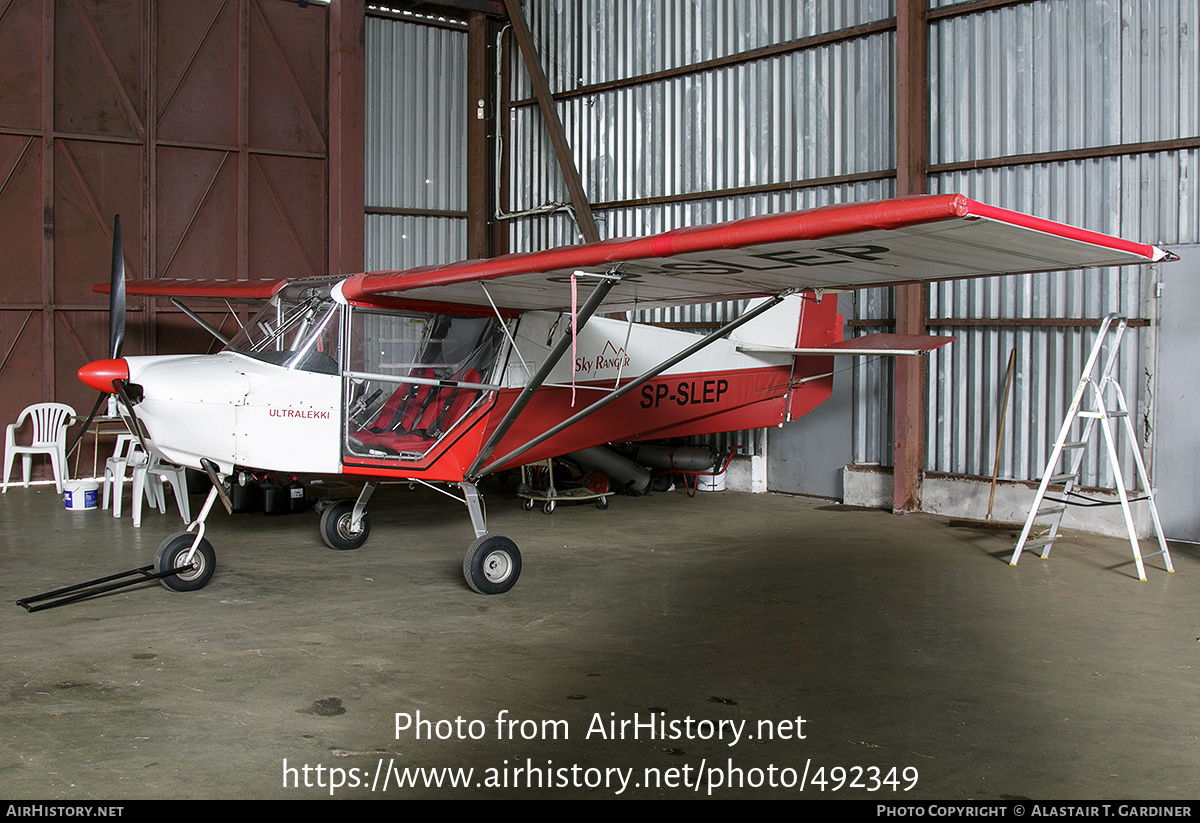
912 160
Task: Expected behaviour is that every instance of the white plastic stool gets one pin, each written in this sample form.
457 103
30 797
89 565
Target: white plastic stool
125 452
155 472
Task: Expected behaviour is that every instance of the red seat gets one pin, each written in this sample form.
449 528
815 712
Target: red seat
417 414
405 404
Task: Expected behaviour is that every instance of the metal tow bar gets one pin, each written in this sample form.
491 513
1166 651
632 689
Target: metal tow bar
91 588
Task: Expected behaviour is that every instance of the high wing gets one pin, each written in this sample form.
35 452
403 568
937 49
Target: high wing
234 290
243 292
856 245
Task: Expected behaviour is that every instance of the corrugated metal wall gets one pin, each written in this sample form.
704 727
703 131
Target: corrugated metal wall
1040 78
1047 77
806 114
733 127
664 102
416 144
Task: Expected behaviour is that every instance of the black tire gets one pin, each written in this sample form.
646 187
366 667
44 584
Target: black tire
335 527
492 564
548 508
170 556
602 503
528 504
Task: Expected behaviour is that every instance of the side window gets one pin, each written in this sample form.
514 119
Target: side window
412 378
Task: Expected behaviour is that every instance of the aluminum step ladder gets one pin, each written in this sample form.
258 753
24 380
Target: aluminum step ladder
1101 385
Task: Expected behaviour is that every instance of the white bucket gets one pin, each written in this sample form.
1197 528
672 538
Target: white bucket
80 495
710 482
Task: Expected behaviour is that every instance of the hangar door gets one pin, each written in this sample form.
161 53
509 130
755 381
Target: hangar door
203 123
1176 467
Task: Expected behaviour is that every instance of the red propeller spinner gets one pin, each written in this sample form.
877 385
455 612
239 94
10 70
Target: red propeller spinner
100 374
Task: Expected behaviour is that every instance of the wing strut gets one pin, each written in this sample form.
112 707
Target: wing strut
704 342
560 348
201 322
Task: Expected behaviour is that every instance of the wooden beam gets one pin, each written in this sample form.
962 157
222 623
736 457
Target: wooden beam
347 136
480 108
912 160
812 41
558 135
454 7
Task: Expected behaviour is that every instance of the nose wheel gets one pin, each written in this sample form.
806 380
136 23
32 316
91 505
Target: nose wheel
193 567
192 573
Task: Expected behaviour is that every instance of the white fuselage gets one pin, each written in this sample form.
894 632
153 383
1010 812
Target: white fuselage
238 411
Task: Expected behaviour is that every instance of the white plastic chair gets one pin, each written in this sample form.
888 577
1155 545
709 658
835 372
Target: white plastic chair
124 453
50 422
148 477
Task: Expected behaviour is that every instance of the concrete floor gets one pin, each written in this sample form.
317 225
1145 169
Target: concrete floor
902 642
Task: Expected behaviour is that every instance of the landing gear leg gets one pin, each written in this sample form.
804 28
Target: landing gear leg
475 507
493 562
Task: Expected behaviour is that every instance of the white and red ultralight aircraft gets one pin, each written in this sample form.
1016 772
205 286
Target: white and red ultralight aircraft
446 374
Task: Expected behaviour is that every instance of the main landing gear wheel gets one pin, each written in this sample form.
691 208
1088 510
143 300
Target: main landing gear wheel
171 554
336 529
492 564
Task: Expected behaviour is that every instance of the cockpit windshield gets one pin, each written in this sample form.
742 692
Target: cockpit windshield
298 329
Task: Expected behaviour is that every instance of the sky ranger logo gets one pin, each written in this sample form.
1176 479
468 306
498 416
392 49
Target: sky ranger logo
611 357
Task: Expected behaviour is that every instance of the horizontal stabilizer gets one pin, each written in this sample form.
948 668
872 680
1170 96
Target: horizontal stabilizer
872 345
